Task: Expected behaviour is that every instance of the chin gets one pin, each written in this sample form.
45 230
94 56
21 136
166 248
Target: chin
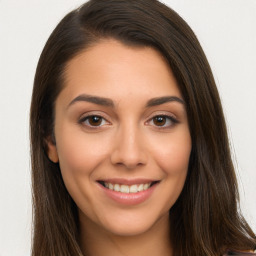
132 224
128 230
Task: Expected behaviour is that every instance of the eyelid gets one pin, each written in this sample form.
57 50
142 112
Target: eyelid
163 113
170 116
83 118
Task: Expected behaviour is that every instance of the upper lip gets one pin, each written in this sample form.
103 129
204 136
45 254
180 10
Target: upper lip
122 181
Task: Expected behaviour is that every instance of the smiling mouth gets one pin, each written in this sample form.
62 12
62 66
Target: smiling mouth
123 188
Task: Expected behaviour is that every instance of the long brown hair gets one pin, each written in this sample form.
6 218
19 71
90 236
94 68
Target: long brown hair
205 219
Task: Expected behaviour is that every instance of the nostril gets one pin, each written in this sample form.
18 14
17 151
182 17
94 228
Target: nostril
128 159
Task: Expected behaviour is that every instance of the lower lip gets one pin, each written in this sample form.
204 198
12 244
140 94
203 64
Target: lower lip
129 198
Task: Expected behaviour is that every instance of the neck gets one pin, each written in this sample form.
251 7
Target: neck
97 241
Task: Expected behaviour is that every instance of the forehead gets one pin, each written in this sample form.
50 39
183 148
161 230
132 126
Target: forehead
114 70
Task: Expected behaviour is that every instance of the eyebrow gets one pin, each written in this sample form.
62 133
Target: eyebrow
93 99
162 100
109 103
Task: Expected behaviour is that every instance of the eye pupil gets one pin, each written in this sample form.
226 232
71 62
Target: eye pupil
159 120
95 120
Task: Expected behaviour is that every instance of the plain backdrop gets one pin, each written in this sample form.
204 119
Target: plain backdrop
227 32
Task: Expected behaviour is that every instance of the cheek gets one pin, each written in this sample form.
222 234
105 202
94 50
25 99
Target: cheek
79 155
173 154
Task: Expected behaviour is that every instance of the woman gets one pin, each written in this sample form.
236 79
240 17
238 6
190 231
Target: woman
130 154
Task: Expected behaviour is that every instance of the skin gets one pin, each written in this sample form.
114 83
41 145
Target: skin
126 143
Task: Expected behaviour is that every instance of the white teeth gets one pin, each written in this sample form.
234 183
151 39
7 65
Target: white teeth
117 187
124 189
140 188
146 186
110 186
133 189
127 189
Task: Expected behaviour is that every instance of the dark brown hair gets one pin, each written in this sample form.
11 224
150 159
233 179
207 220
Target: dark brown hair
205 219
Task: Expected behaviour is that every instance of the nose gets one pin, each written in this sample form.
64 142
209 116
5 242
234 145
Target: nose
129 150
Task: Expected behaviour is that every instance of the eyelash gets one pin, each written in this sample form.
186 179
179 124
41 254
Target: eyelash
85 119
167 118
172 121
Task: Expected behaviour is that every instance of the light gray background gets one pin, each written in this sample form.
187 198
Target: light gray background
227 32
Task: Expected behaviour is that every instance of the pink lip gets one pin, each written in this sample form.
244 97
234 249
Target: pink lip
129 198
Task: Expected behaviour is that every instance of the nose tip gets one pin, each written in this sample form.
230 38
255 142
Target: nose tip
129 160
129 152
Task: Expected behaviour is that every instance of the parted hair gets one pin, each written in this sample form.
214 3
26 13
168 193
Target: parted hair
205 220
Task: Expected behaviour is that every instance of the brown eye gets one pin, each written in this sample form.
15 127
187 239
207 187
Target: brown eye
93 121
159 120
163 121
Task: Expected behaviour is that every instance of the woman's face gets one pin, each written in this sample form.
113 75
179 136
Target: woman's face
121 124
